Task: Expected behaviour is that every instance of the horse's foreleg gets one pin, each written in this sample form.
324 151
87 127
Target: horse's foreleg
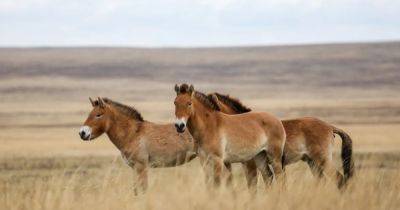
218 166
205 164
229 177
213 167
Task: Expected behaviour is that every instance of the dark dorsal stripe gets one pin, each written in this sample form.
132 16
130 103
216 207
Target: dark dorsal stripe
124 109
233 103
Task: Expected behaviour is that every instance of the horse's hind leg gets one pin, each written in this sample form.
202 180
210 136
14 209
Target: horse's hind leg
315 166
322 167
262 162
274 156
331 172
250 170
276 166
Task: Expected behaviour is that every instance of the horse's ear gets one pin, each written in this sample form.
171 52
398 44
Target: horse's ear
177 89
191 89
92 102
101 102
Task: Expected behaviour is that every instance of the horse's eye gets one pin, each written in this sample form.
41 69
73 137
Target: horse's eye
190 103
99 115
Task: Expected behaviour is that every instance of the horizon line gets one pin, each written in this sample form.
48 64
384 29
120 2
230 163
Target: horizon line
293 44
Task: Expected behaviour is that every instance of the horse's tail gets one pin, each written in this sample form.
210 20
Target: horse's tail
347 158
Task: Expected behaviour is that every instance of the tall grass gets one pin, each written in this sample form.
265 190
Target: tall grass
111 187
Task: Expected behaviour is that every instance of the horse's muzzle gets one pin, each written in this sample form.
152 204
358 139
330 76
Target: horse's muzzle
180 127
85 133
84 136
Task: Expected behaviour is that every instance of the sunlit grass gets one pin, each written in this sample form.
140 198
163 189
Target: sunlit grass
109 185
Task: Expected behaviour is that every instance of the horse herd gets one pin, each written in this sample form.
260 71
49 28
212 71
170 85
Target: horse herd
220 130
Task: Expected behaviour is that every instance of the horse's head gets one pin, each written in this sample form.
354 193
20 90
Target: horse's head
183 106
97 122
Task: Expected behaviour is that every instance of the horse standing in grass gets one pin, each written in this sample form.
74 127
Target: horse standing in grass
307 139
226 138
142 144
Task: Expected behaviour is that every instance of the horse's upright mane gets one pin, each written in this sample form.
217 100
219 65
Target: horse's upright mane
124 109
206 101
201 97
233 103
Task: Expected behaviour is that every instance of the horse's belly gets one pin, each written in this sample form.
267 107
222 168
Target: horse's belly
169 160
234 151
168 153
242 155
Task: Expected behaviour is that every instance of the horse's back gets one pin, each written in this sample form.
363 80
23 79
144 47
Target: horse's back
313 129
253 116
267 122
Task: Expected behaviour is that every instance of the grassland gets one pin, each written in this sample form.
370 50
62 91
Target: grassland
43 101
105 183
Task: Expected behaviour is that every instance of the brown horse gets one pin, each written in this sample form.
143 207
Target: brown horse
308 139
224 138
142 144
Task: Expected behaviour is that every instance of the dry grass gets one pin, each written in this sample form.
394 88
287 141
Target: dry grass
87 183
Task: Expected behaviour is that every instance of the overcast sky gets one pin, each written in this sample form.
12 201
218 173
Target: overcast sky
196 22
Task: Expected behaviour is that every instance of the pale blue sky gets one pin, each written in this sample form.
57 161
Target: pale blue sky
152 23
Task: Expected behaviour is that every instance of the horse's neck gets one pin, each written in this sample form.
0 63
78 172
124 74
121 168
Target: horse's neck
202 121
122 130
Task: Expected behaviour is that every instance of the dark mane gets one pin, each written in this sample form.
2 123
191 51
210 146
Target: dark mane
233 103
206 101
201 97
127 110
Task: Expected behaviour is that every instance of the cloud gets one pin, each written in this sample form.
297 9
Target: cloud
195 22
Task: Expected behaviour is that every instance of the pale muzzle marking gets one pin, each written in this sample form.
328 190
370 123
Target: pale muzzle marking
85 132
180 124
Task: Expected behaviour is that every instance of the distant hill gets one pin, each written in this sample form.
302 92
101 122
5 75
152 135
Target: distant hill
346 83
302 68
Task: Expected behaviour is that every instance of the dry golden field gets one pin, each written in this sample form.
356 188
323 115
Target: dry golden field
44 99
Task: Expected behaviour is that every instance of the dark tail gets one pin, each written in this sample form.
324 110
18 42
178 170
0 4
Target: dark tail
347 157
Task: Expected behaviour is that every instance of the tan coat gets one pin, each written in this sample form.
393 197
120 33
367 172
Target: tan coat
308 139
224 138
142 144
